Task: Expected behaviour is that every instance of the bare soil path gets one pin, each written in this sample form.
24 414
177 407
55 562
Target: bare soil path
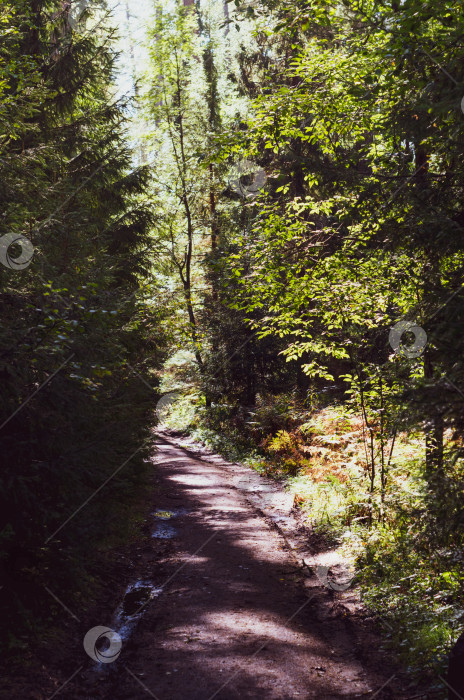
231 621
229 616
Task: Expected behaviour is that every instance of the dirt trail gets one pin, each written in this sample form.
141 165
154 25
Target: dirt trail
231 618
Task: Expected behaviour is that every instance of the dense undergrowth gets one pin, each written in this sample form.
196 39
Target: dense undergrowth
409 568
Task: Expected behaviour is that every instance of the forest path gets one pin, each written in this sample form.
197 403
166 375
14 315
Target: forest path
233 619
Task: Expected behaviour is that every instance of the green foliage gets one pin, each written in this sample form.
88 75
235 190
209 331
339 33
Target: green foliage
354 112
74 322
417 592
277 308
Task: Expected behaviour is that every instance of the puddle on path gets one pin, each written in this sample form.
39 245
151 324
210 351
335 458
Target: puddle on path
163 530
136 597
127 616
164 514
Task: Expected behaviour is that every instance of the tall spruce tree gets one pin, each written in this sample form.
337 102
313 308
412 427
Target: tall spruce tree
72 319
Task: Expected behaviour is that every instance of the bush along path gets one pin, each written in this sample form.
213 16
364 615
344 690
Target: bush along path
223 600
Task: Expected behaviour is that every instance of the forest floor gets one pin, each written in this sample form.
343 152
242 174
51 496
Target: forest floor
220 601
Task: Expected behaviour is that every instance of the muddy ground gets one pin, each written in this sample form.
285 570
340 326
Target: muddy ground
223 598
